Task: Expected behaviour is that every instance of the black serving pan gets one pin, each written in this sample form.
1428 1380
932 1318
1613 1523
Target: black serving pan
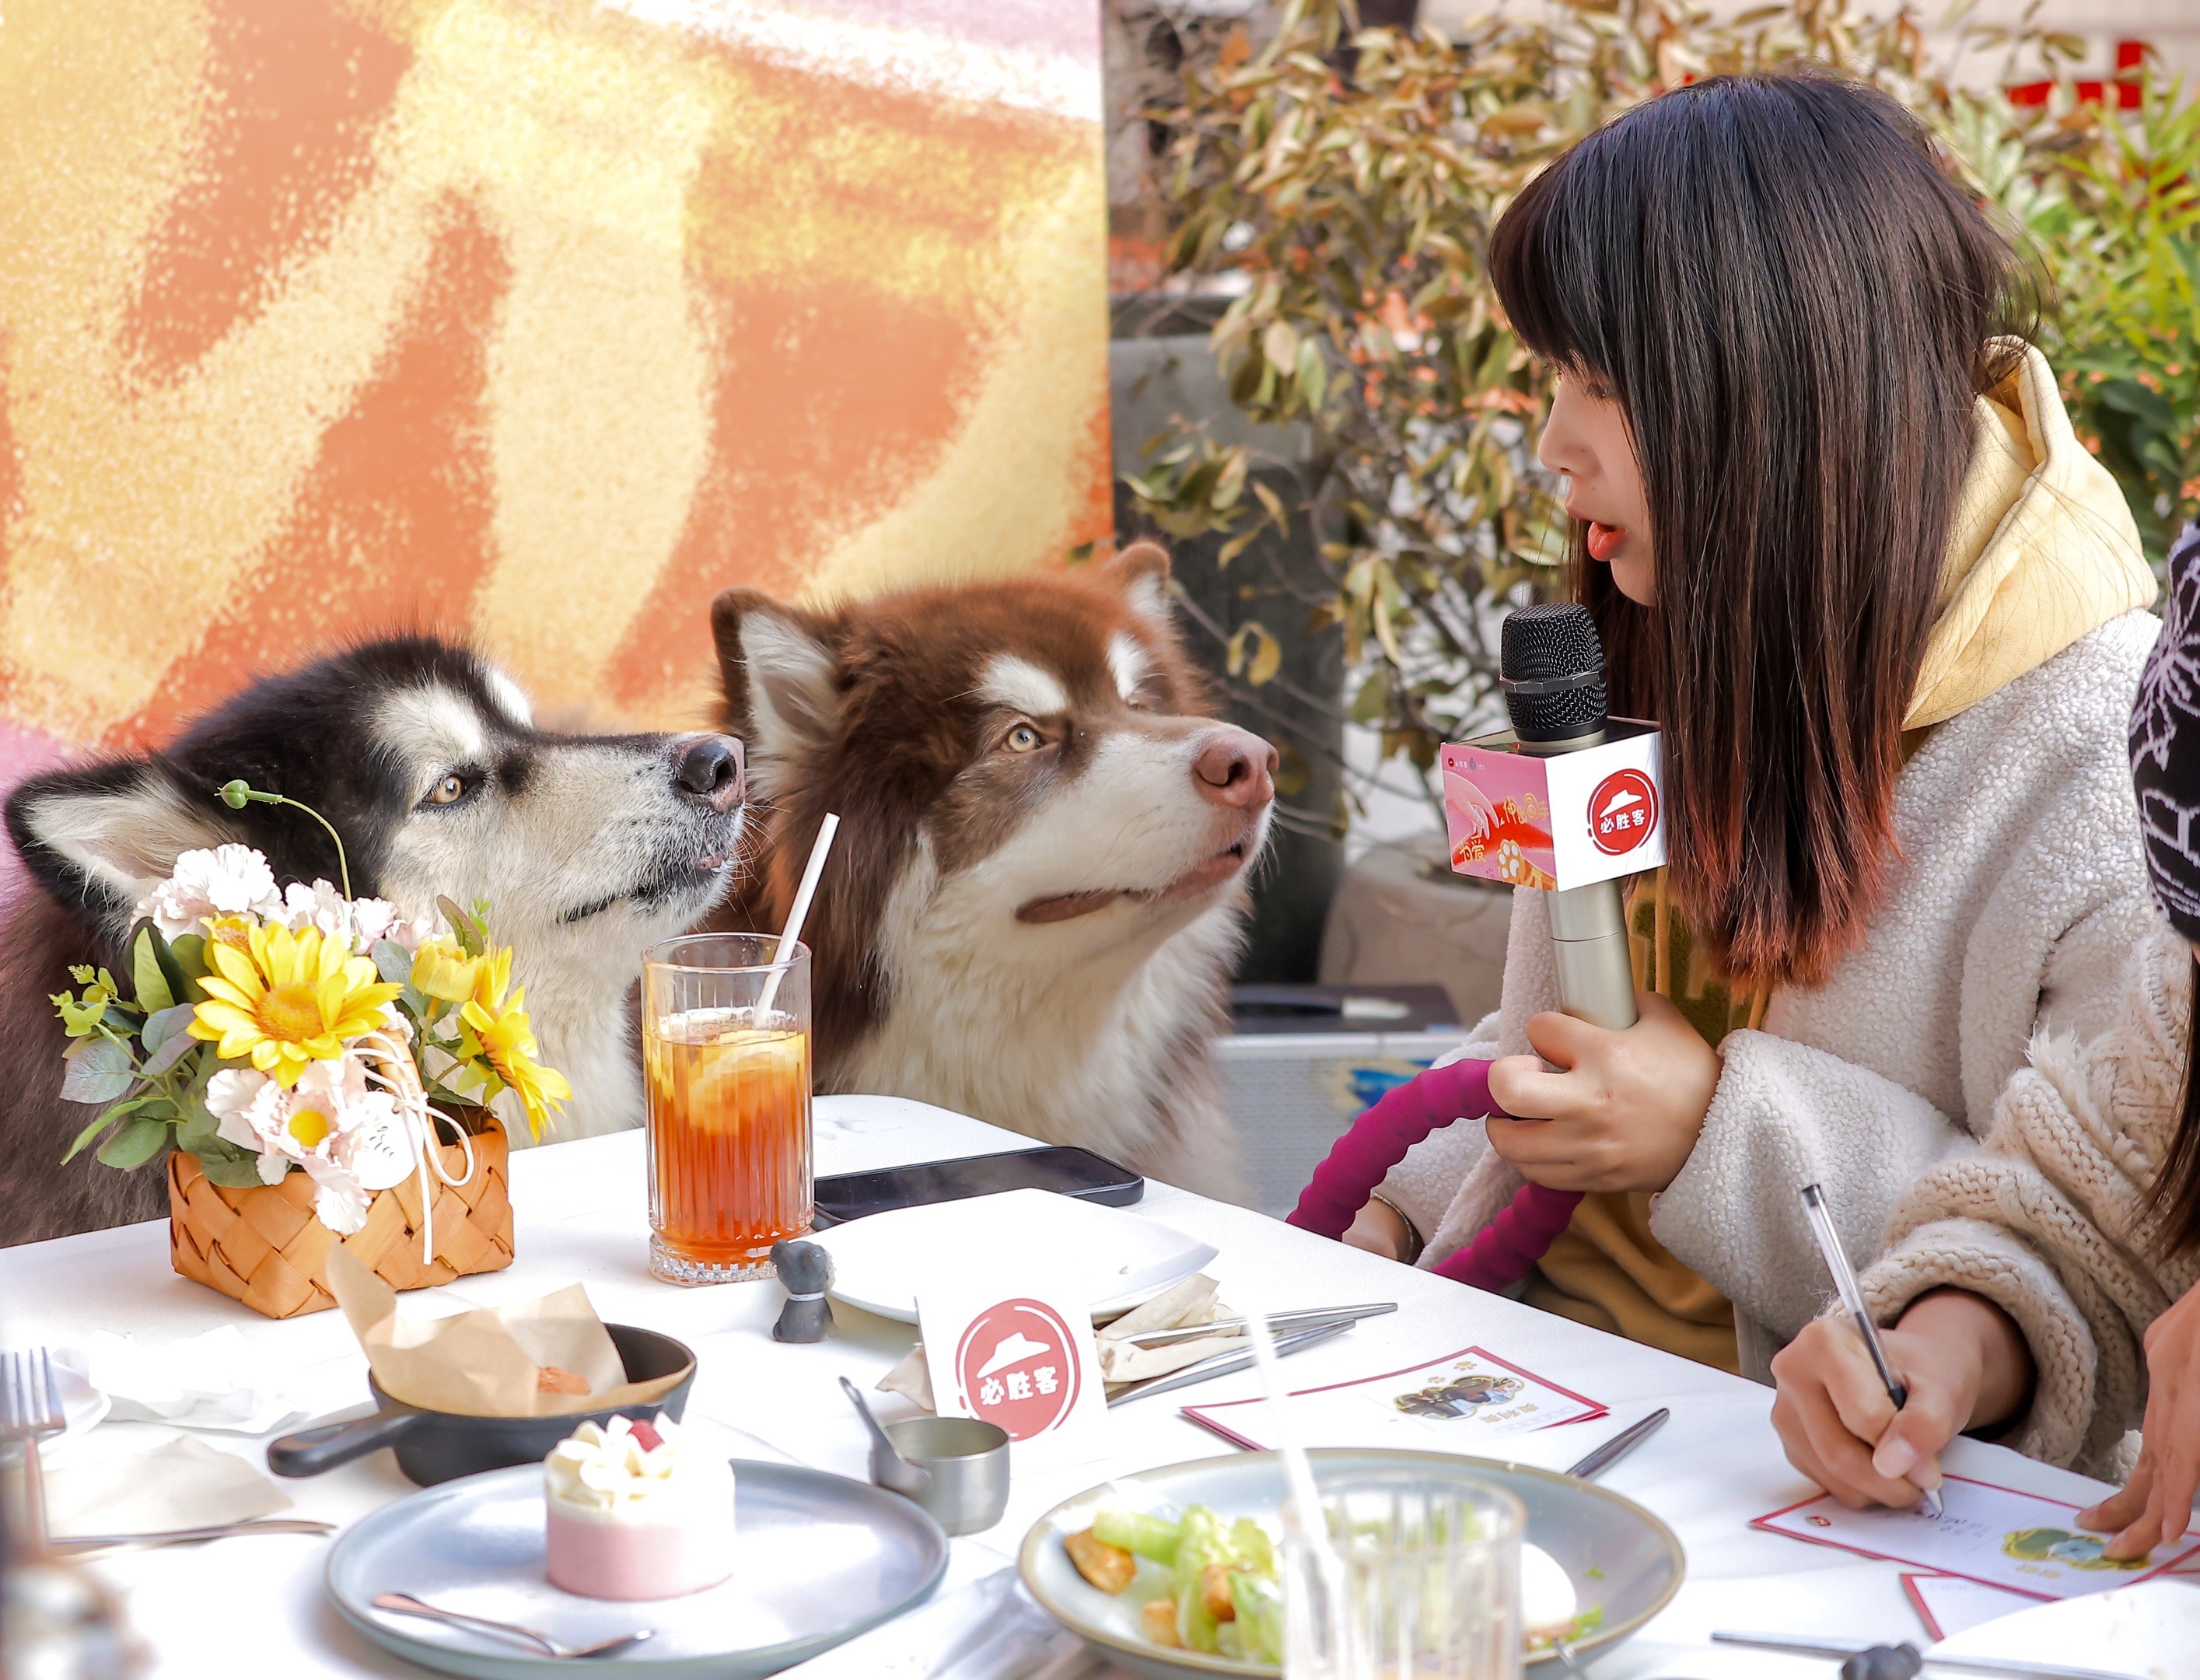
440 1446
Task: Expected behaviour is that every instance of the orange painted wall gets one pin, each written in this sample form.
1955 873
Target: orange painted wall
537 320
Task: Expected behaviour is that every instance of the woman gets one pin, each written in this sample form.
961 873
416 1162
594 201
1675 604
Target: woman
2031 1283
1842 544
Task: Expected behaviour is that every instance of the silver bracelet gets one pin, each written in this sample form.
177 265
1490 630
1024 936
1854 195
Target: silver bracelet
1416 1242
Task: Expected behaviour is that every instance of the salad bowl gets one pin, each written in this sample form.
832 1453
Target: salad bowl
1624 1564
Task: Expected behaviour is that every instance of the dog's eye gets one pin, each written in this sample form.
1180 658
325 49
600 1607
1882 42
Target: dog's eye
1024 739
448 792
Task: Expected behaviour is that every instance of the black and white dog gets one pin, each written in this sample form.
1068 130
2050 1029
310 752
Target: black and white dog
426 760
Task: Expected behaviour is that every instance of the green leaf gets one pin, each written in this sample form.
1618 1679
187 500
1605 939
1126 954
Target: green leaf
197 1127
92 1131
98 1071
177 1047
1372 702
135 1145
155 992
230 1174
163 1024
188 950
392 961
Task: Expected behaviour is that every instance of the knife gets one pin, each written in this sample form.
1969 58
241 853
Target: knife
1222 1364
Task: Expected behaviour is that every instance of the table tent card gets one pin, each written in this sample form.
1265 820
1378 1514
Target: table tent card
1998 1536
1949 1605
1452 1404
1020 1355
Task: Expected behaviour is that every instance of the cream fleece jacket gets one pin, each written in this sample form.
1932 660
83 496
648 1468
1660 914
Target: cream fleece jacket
2021 892
2047 1218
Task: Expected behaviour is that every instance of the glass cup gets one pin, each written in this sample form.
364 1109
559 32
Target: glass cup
725 1043
1427 1581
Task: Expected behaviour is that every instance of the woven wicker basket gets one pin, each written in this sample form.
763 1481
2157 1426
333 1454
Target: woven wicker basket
263 1245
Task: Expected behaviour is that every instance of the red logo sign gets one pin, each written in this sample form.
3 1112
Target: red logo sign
1623 810
1017 1363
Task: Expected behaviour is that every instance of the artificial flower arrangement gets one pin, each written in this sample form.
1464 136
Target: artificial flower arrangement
302 1042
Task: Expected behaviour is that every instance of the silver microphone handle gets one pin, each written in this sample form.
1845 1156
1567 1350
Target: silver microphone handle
1588 942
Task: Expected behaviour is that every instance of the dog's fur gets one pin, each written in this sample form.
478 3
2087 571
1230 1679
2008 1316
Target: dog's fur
586 849
1039 937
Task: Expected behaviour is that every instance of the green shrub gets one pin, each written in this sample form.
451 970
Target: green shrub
1354 210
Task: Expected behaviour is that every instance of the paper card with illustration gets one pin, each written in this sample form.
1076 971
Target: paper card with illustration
1949 1605
1019 1353
1997 1535
1450 1403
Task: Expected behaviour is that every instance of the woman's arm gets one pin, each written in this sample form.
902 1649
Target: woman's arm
1961 1359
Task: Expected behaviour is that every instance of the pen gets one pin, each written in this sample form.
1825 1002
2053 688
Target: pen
1844 1281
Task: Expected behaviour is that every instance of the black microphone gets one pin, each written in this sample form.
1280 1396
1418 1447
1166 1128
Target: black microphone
1552 667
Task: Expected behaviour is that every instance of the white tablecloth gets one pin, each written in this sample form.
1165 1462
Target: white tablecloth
255 1606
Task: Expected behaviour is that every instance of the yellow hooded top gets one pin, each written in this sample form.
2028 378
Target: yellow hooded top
2043 551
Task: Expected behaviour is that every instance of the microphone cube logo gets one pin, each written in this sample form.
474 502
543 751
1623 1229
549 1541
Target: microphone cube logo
1623 811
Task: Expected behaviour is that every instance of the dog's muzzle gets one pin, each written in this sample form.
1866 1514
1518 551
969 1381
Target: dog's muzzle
708 770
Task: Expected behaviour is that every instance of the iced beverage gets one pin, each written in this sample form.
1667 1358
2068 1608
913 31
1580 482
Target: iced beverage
729 1093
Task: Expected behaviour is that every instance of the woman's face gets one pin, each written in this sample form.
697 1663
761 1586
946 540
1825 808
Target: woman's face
1587 440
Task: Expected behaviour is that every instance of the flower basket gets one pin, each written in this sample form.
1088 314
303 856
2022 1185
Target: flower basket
264 1245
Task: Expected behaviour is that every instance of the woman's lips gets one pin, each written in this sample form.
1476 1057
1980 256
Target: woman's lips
1604 540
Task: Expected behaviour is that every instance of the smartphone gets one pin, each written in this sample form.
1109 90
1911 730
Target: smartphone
1073 1172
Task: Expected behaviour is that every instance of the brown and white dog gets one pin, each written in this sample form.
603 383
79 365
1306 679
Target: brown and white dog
1038 891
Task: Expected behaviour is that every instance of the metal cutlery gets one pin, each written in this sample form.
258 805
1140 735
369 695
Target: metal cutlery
1279 1323
1222 1364
1811 1645
75 1545
30 1409
1603 1458
404 1604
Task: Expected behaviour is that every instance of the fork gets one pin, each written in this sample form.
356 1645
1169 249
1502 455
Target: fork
30 1409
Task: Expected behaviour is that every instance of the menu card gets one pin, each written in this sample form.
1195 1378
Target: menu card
1451 1404
2020 1541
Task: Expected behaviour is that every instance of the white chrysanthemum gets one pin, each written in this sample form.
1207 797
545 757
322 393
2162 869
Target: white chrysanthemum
226 880
361 920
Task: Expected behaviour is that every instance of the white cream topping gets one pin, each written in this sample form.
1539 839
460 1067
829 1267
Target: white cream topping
607 1472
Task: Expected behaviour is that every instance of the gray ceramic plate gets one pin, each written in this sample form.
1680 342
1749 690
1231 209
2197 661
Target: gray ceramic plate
1620 1557
819 1559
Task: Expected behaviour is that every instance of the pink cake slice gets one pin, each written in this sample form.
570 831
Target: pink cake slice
631 1517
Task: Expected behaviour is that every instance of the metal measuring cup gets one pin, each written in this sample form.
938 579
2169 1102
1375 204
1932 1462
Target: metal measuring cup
957 1468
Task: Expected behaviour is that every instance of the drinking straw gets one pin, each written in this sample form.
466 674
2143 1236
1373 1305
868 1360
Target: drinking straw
1301 1511
803 894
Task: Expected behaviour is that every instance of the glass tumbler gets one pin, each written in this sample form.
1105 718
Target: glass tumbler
725 1042
1426 1584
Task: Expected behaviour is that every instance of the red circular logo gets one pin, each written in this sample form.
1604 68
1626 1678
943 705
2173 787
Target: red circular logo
1623 810
1017 1368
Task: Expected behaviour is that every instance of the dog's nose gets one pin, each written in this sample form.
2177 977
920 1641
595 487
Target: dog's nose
1235 767
708 771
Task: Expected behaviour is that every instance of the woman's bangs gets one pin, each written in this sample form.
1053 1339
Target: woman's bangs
1526 279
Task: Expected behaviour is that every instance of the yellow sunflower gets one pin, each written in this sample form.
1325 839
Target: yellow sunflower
286 999
498 1025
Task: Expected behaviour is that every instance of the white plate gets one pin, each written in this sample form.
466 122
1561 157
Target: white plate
820 1559
1621 1559
881 1263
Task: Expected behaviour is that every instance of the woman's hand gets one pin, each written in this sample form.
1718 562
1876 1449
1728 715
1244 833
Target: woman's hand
1964 1363
1378 1229
2156 1505
1623 1113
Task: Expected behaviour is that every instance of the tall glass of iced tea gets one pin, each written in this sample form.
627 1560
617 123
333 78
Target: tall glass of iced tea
726 1057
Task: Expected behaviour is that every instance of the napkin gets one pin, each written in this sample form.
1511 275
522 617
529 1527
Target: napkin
183 1483
198 1382
1189 1301
535 1358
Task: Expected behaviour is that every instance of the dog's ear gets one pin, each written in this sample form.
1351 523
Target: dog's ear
1142 572
99 837
781 676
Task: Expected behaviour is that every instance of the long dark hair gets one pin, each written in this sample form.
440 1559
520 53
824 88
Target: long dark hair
2175 1201
1794 308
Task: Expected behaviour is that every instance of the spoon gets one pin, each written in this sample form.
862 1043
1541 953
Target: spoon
404 1604
889 1469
